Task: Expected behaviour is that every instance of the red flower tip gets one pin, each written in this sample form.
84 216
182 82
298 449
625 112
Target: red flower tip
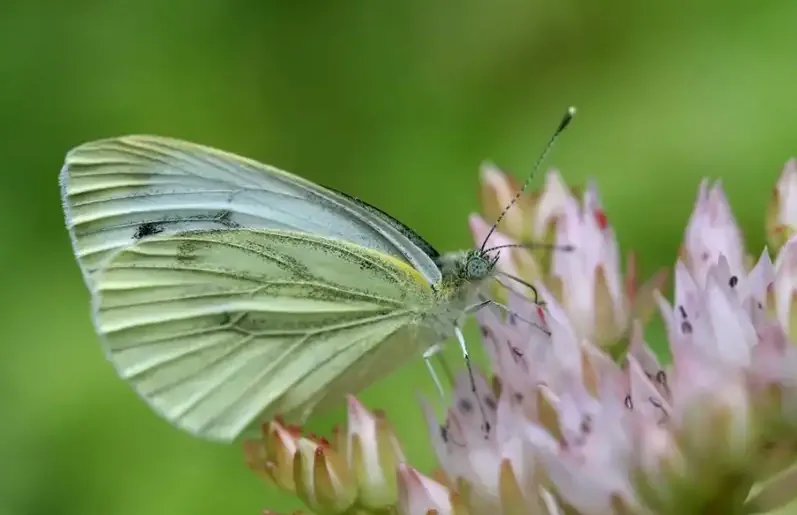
541 314
600 218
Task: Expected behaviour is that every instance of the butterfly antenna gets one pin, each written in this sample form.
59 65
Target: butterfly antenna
534 246
571 111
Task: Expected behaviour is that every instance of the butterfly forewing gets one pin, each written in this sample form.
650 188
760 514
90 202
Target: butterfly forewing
120 190
217 329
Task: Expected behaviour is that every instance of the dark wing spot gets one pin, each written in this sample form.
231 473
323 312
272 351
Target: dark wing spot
147 229
734 281
683 311
490 402
686 327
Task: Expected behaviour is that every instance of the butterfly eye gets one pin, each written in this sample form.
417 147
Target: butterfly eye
478 267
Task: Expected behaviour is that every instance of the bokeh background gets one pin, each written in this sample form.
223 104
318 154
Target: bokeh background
395 102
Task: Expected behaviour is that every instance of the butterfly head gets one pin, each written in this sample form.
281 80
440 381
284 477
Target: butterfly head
465 267
478 265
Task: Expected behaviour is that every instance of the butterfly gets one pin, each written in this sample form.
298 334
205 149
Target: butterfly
226 291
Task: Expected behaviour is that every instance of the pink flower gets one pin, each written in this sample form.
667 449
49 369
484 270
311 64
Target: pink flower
582 270
602 437
357 469
573 428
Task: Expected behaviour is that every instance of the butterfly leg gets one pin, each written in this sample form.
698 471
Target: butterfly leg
463 346
427 358
476 307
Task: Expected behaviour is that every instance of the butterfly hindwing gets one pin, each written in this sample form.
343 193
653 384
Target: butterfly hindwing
216 329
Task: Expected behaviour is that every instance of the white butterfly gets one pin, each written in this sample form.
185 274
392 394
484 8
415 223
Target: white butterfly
227 292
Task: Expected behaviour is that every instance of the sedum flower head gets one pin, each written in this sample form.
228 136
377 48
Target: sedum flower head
575 430
587 281
355 473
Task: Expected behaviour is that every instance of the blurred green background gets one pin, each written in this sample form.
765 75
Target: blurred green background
395 102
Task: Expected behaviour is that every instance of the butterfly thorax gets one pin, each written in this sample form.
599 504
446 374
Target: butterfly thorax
463 273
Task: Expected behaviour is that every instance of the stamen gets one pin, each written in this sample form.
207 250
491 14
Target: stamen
629 403
465 406
661 378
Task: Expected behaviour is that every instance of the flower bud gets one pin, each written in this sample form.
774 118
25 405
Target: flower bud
373 453
322 478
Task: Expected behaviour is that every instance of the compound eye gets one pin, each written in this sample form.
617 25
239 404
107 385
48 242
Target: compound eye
477 267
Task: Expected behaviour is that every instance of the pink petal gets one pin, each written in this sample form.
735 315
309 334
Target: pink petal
787 194
786 281
419 494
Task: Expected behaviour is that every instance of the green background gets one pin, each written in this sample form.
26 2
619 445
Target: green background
395 102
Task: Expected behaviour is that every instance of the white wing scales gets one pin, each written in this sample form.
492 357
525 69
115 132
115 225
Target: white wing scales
119 190
216 329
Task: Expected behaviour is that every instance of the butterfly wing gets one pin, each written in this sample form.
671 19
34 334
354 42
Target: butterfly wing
116 191
217 329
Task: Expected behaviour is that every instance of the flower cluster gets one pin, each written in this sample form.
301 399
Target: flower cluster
587 281
584 417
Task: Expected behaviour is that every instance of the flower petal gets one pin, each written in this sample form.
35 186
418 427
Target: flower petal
712 231
419 494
